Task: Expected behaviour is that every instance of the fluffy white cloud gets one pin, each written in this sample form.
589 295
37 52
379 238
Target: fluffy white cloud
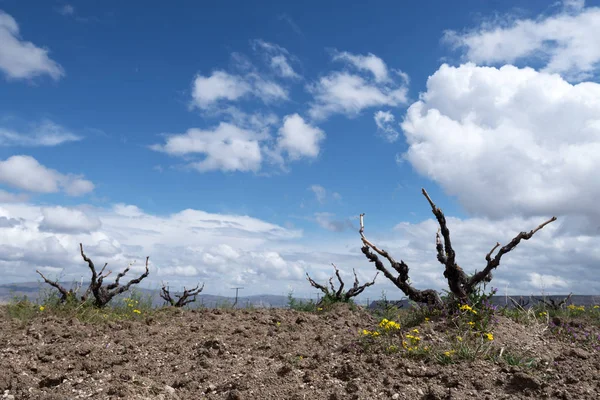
195 246
222 86
67 220
47 133
226 148
385 124
191 244
8 197
509 141
349 93
20 59
550 261
219 86
298 138
26 173
562 41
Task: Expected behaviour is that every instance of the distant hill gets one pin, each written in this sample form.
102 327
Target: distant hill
33 290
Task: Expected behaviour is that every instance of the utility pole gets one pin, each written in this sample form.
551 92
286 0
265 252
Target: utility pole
236 295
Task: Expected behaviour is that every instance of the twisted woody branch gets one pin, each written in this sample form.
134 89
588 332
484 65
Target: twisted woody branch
339 295
188 295
460 284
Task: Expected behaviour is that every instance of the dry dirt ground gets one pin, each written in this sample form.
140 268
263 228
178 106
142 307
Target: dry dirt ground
269 354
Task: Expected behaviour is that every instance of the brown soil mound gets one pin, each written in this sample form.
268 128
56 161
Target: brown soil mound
268 354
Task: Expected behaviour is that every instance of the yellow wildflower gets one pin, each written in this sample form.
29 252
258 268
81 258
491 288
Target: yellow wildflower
42 308
471 323
489 336
449 353
459 338
596 306
137 311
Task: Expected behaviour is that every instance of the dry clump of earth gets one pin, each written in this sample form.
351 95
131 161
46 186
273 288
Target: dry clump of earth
270 354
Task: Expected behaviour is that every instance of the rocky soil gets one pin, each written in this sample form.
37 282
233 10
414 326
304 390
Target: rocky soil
269 354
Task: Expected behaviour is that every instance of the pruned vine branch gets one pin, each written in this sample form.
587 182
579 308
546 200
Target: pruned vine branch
64 293
339 294
188 295
556 305
104 294
460 284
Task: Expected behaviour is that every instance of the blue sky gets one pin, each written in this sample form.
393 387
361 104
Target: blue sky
238 143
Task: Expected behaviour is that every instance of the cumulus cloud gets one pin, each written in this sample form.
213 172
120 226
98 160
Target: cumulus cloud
561 41
190 243
348 93
509 140
225 148
550 261
67 220
8 197
20 59
299 139
47 133
26 173
385 124
228 147
220 86
222 249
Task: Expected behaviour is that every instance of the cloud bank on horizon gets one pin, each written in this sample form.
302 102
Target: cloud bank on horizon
271 156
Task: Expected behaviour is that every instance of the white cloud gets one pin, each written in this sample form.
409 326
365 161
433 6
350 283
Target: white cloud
226 148
349 94
385 124
67 9
560 263
221 86
277 57
222 249
563 41
8 197
327 221
370 63
67 220
26 173
47 133
218 248
280 65
298 138
508 141
320 193
20 59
